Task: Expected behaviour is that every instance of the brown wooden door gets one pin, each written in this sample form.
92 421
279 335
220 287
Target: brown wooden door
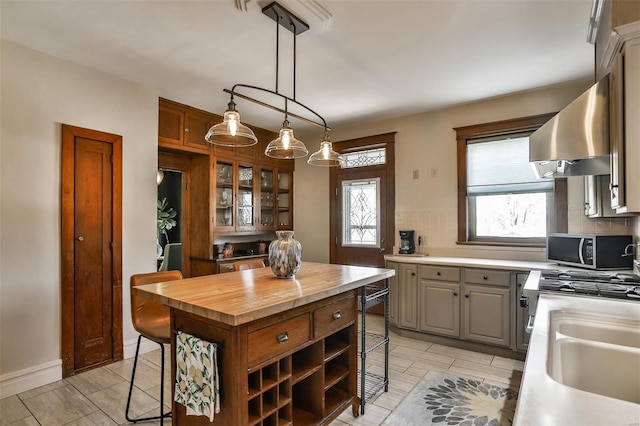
91 241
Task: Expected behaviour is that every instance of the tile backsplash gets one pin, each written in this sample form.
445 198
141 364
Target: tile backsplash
439 231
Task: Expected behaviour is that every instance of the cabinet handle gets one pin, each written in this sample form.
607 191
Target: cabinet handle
438 273
281 338
186 130
466 295
485 278
455 294
413 274
336 315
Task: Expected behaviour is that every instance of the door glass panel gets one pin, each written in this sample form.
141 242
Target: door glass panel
284 189
361 218
245 196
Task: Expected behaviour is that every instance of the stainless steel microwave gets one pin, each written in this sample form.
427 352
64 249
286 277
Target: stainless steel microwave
590 251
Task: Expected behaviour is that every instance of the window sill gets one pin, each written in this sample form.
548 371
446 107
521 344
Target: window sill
501 244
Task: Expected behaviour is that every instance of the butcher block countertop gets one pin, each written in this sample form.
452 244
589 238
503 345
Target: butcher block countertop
240 297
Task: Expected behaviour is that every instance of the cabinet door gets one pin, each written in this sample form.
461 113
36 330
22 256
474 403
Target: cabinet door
170 125
224 220
196 126
408 296
285 200
486 314
522 315
439 308
393 293
245 219
268 195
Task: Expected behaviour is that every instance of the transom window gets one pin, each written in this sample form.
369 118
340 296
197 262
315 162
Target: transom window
369 157
499 198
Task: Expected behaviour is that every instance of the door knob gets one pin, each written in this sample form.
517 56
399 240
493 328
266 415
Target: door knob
80 238
382 249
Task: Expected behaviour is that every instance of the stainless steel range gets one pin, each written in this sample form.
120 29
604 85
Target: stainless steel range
581 283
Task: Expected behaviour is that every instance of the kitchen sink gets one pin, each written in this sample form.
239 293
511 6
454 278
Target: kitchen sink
595 353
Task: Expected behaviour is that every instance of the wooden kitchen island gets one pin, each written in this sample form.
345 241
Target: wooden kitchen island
287 348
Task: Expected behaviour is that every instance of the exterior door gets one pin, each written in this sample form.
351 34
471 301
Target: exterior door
363 202
91 233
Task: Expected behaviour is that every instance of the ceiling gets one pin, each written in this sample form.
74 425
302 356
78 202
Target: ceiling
360 61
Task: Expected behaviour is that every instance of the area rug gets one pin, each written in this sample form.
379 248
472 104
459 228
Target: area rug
444 399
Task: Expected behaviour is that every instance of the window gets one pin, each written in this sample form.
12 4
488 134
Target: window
500 201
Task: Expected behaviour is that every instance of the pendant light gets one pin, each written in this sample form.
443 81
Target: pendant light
231 132
286 146
326 156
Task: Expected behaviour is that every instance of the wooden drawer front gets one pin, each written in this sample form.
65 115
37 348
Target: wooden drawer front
487 276
278 338
333 317
441 273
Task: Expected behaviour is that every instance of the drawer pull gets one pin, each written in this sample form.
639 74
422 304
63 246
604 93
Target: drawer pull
438 273
455 294
336 315
281 338
485 277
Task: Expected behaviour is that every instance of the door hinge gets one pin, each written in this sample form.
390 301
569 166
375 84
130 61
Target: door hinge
336 240
336 191
186 186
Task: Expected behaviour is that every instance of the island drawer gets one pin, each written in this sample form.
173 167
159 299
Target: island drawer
487 276
278 338
333 317
440 273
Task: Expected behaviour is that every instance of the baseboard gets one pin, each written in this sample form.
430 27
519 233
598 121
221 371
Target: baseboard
30 378
44 374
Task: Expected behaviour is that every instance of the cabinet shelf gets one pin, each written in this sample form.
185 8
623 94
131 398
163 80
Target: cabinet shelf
303 418
334 373
303 370
335 399
333 348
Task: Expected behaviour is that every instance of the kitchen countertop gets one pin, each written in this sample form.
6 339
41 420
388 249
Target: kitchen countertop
473 262
542 400
237 298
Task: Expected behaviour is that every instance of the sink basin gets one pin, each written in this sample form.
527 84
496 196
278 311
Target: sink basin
595 353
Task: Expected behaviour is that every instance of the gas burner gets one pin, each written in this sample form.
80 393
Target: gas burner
619 291
550 273
582 287
626 278
555 285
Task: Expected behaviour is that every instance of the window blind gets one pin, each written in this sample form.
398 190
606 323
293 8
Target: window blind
502 167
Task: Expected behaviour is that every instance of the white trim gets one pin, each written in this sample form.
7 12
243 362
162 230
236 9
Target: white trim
30 378
617 39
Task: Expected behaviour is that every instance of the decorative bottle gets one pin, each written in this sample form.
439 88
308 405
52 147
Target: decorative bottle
285 255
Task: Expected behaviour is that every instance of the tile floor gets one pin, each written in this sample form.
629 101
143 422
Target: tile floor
98 397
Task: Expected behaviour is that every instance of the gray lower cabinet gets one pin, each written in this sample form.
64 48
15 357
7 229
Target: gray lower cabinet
393 292
408 296
467 303
522 315
439 307
486 314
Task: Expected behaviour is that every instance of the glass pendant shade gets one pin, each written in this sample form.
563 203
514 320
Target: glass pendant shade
286 146
231 132
326 156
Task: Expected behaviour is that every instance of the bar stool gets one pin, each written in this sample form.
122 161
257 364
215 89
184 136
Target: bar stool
150 319
248 264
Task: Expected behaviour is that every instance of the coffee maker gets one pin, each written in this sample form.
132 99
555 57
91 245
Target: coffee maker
407 244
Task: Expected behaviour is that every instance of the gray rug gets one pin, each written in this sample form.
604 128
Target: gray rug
444 399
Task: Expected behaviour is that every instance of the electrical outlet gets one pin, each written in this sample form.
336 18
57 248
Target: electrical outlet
416 174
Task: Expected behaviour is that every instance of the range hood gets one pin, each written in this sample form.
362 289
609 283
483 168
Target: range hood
575 142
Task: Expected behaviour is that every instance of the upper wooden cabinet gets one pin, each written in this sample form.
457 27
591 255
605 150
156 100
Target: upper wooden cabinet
181 127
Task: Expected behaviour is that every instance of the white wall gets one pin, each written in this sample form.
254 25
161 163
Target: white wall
427 142
38 93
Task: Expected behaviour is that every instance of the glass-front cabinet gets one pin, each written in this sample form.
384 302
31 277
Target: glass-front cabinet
285 200
234 197
224 195
268 198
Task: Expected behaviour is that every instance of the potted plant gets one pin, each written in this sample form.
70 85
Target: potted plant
166 221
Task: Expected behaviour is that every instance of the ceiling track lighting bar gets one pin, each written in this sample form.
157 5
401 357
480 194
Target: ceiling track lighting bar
322 123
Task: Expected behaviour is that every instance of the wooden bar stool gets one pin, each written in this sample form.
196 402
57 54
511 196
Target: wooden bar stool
151 319
248 264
